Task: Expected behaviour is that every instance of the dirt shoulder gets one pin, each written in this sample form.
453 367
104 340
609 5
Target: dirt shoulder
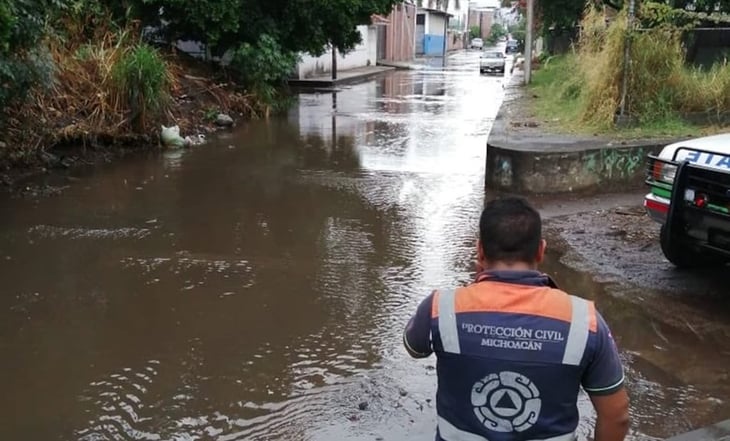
618 244
529 112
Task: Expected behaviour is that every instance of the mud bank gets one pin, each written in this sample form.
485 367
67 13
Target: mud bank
40 139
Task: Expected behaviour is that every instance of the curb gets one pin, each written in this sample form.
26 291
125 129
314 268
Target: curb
534 162
351 79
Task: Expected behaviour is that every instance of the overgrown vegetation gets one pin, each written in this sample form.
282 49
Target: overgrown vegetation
585 88
141 82
99 80
78 70
264 65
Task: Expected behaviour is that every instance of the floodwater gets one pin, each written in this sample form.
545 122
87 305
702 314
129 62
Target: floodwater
256 288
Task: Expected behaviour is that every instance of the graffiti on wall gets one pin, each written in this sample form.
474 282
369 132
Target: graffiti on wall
614 163
502 171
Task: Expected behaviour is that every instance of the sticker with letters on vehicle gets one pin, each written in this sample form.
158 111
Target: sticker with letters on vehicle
707 159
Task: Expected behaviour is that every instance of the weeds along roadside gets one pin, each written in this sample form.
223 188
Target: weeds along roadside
88 80
584 86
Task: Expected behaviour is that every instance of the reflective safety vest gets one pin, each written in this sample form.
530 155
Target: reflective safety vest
510 361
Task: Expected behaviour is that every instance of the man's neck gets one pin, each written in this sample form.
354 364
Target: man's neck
517 266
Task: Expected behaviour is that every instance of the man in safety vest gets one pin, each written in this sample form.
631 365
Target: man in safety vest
512 349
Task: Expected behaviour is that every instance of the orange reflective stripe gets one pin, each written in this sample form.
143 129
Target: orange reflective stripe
435 304
593 321
518 299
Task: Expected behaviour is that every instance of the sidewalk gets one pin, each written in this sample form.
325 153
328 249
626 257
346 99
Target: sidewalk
415 64
524 155
348 76
420 63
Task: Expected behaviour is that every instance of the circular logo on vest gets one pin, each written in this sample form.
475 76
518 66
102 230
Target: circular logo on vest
506 402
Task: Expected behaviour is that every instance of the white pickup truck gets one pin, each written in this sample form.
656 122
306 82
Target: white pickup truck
689 196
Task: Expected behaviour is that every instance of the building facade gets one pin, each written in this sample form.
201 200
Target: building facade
431 32
364 54
397 37
482 18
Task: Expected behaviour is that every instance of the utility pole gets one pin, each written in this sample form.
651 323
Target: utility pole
627 58
528 40
334 62
446 36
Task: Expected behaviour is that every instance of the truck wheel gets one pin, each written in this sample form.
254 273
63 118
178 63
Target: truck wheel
683 256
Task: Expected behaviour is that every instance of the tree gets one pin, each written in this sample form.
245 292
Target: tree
475 32
561 14
498 31
298 26
22 26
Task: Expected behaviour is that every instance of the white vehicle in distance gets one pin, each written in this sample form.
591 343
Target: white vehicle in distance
477 43
492 61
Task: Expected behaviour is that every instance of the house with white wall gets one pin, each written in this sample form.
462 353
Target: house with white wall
364 54
431 26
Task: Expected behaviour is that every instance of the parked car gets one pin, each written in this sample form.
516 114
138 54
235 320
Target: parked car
689 196
512 47
477 43
492 61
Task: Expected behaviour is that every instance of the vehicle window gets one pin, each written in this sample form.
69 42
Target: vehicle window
493 55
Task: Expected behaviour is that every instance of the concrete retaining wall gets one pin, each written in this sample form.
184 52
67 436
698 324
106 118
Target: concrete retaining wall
532 160
604 168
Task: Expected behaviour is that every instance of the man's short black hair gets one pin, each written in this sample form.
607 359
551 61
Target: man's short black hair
510 230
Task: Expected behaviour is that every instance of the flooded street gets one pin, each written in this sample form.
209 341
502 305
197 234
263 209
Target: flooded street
256 288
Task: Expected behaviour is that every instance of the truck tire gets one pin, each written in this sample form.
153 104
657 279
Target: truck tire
683 256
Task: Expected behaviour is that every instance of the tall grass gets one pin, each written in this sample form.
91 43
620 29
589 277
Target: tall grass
661 87
111 84
141 81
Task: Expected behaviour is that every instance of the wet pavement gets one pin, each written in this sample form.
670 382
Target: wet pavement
256 288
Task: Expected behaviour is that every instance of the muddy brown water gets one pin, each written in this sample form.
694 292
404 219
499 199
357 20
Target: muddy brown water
256 288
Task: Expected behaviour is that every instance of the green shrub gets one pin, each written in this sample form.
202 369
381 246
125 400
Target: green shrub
264 66
142 82
23 61
496 32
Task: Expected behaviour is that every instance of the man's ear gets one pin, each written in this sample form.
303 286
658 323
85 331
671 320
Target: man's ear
481 259
541 251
